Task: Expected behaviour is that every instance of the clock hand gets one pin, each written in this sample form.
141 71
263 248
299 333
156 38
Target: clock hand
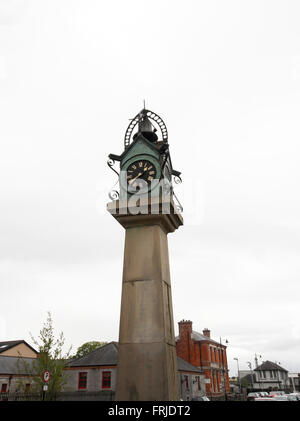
131 181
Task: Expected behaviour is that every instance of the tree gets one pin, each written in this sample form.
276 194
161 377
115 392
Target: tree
87 347
244 382
50 358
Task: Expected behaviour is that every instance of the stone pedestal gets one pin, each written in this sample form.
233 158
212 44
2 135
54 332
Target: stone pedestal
147 363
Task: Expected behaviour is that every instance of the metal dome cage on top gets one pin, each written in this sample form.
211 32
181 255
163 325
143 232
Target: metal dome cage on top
148 122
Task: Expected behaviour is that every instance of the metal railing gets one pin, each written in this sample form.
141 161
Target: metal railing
60 396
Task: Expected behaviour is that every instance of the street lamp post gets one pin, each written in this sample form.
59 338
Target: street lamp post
250 366
256 366
224 381
240 386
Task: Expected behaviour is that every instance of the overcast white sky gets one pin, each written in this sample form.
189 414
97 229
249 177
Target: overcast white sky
225 78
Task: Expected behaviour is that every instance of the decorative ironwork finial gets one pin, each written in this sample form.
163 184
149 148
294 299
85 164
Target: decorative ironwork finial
146 121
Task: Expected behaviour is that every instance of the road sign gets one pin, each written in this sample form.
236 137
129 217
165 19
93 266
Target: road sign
46 376
45 387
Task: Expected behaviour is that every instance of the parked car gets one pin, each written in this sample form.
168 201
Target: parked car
200 398
297 395
292 397
276 393
252 395
280 398
264 394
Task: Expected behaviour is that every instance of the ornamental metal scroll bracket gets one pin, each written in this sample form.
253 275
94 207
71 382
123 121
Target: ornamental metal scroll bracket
177 203
176 177
113 193
177 180
169 190
111 162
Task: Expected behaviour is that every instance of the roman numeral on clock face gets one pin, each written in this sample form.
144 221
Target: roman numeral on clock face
139 174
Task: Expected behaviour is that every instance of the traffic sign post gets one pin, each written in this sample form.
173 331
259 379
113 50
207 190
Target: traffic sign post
46 377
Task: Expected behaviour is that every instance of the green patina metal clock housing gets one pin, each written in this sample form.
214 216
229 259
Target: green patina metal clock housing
145 161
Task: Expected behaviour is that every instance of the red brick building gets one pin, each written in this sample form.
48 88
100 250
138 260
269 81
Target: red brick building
205 353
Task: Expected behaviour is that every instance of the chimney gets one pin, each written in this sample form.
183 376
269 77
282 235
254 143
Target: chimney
206 332
185 327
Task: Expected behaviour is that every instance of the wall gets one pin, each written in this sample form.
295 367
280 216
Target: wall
192 391
279 379
94 378
13 381
21 349
94 383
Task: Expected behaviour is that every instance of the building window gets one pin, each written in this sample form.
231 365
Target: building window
271 374
211 354
82 380
186 379
4 388
198 381
106 379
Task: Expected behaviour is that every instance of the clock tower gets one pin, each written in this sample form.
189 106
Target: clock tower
147 207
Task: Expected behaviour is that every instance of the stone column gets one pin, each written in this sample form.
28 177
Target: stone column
147 363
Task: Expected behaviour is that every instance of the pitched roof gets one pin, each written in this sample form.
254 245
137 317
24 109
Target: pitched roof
136 140
15 365
4 346
104 355
199 337
185 366
269 366
108 355
8 344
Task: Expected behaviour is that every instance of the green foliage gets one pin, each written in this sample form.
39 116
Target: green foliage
244 382
50 358
87 347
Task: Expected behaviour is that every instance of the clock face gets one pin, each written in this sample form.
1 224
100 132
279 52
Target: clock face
140 174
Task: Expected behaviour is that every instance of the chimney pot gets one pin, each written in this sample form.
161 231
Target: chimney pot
185 326
206 332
